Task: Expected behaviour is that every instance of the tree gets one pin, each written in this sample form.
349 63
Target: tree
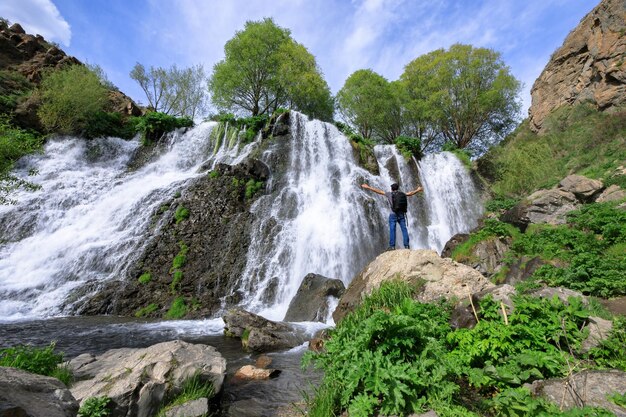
264 69
467 93
70 97
370 104
173 91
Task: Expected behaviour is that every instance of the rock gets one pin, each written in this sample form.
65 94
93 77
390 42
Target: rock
612 193
586 388
249 372
437 278
258 333
582 187
311 301
488 255
543 206
599 330
615 305
263 361
451 244
195 408
25 394
587 68
17 28
562 293
137 380
463 317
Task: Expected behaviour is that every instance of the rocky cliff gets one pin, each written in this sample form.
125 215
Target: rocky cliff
24 58
589 67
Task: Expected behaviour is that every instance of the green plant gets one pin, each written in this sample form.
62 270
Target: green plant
154 125
193 388
42 361
95 407
181 214
177 310
145 278
618 399
70 98
500 204
102 124
611 353
252 187
214 174
409 146
176 279
146 311
181 257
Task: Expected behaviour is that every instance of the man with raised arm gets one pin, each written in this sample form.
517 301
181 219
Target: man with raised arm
398 205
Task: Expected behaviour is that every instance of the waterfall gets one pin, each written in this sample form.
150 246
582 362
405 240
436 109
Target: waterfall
90 216
88 222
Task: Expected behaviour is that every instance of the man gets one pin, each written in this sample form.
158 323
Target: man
398 216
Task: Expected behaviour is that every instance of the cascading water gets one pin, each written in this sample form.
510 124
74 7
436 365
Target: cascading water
454 203
90 215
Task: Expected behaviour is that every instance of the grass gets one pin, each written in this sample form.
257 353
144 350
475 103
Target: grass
576 140
145 278
177 310
146 311
193 389
42 361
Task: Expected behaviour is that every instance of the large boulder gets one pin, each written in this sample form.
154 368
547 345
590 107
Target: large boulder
137 380
311 301
582 187
23 394
260 334
586 388
612 193
543 206
488 255
435 276
587 68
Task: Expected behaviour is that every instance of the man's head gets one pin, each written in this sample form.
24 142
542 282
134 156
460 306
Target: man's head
394 186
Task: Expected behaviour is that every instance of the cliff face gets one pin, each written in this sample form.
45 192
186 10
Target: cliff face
589 67
30 56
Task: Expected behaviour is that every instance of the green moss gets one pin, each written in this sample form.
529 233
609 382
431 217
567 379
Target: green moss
176 279
252 187
214 174
146 311
145 278
177 310
244 338
181 257
181 214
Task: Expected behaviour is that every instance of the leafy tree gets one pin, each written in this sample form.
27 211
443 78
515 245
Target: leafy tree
69 97
265 69
173 91
467 93
369 103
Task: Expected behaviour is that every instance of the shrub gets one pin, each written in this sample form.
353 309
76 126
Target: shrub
70 98
177 310
252 187
154 125
105 124
95 407
13 87
42 361
409 146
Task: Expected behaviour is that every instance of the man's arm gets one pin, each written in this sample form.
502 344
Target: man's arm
417 190
376 190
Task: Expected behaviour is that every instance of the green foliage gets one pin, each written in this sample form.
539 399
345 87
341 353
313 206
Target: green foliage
146 311
265 69
409 146
70 97
500 204
611 353
589 252
174 91
154 125
95 407
42 361
214 174
396 356
14 144
252 187
492 228
193 389
576 140
177 310
14 87
618 399
181 214
176 279
467 94
145 278
101 124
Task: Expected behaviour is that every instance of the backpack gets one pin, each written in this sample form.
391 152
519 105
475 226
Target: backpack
398 202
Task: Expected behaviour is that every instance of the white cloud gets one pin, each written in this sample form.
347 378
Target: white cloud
38 17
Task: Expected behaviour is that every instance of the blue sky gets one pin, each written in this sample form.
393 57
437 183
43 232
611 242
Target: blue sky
344 36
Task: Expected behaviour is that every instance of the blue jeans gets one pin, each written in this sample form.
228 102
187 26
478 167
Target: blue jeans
393 219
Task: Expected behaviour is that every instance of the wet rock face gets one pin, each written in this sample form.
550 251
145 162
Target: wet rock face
311 301
589 67
213 237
